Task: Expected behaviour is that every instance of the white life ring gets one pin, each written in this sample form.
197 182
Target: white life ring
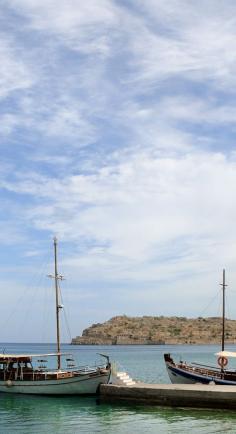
222 361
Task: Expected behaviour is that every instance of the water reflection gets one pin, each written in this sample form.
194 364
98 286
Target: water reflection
35 414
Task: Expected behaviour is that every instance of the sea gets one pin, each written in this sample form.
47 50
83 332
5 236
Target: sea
71 415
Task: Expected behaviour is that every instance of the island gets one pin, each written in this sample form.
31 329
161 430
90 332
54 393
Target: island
157 330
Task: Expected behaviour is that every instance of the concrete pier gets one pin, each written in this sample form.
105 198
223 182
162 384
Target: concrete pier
173 395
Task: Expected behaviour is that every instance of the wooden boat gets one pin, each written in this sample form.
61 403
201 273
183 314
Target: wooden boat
29 374
190 373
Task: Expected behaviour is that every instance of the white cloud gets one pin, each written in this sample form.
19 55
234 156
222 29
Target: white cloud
189 40
138 210
171 39
175 109
82 26
14 74
8 122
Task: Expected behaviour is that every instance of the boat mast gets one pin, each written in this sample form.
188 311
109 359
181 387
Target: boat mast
223 312
56 277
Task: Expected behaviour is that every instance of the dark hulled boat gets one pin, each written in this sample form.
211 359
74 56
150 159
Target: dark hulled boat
190 373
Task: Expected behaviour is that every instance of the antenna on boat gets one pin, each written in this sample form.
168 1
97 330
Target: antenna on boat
223 312
59 306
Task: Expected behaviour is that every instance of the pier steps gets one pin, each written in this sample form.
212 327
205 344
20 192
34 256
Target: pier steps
122 379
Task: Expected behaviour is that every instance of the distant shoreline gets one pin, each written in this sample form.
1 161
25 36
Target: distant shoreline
150 330
148 345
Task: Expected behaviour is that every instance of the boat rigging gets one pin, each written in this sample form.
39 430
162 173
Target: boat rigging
18 374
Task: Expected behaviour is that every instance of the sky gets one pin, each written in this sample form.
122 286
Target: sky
117 135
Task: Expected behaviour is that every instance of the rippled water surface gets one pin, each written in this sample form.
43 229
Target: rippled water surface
38 415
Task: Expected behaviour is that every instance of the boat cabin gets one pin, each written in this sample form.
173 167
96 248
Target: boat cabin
33 367
20 367
15 366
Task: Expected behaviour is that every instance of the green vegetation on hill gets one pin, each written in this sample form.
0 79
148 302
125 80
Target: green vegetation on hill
157 330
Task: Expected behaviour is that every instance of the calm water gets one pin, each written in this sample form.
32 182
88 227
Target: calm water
38 415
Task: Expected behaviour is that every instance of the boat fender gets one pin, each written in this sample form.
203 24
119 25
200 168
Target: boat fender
222 361
9 383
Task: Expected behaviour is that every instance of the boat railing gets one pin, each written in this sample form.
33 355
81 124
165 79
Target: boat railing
206 366
203 371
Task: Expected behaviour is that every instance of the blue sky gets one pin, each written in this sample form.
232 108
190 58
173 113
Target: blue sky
117 135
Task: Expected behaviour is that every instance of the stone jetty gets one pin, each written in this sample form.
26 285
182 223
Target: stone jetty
173 395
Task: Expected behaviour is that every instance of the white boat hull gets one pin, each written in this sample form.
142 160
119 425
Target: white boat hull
81 385
177 378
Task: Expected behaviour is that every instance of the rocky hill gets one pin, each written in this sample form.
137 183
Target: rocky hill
155 330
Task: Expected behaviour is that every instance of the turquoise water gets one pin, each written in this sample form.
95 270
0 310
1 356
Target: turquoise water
39 415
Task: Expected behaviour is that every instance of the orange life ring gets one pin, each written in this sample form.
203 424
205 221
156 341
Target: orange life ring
222 361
